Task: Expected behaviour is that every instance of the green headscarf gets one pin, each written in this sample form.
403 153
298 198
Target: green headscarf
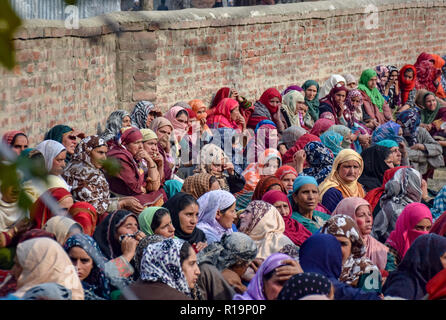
428 116
387 143
56 133
374 95
172 187
145 219
313 105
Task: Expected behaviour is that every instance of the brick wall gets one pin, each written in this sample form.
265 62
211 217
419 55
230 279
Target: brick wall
78 77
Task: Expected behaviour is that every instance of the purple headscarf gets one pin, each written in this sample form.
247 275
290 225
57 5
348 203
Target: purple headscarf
255 287
290 88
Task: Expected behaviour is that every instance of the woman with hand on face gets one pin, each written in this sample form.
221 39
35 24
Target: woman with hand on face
227 115
246 106
163 129
184 210
155 159
86 177
270 278
342 182
267 108
131 180
116 121
334 103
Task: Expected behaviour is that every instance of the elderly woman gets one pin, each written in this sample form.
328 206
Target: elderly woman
116 121
330 83
223 264
143 114
342 182
163 129
17 140
87 180
131 180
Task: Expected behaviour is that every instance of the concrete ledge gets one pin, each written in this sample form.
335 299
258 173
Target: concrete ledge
217 17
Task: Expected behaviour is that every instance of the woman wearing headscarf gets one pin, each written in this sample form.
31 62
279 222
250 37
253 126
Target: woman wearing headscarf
414 221
294 230
377 160
264 224
65 135
222 265
84 214
265 137
287 175
289 156
117 236
266 184
322 254
427 74
431 111
294 110
382 74
401 190
320 126
214 161
268 164
184 209
43 260
179 118
342 182
359 210
374 103
388 131
267 108
423 260
216 214
143 114
246 106
199 129
199 184
291 135
304 200
131 180
163 129
330 83
156 221
17 140
270 278
172 187
391 89
406 80
333 141
356 266
439 64
227 115
118 119
334 103
436 286
63 228
425 154
439 205
320 158
350 81
169 271
311 90
307 285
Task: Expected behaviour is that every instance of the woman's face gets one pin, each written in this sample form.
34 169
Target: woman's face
395 151
408 75
201 113
307 197
288 181
272 287
134 147
430 103
166 228
188 218
346 247
443 260
274 102
349 171
126 122
20 144
130 226
424 225
151 146
390 160
356 101
352 85
301 108
163 134
235 114
149 119
393 76
190 269
371 84
270 167
98 155
339 97
183 119
58 164
66 203
282 207
215 169
69 141
245 219
384 78
81 261
311 92
227 218
364 219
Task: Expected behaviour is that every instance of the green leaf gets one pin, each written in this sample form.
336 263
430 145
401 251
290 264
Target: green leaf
111 166
9 22
24 202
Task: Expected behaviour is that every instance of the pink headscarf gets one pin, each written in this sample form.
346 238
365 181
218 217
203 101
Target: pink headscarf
9 136
293 229
376 251
321 125
222 114
179 128
403 236
284 170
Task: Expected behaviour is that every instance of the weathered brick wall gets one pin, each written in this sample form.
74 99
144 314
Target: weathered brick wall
79 76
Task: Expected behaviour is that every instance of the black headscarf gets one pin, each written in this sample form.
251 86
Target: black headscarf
177 203
420 264
106 230
304 284
374 166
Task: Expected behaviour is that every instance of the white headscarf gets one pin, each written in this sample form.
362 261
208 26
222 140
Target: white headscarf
60 226
10 213
209 204
50 149
330 83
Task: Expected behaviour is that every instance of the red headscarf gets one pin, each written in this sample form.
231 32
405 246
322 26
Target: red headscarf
439 226
222 114
374 195
9 136
131 135
424 56
404 234
405 85
299 145
335 108
293 229
267 96
220 95
85 214
321 125
436 287
284 170
40 213
264 184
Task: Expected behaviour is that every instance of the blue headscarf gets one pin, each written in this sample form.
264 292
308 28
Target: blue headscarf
303 180
97 283
320 159
172 187
264 122
332 140
387 143
387 131
411 120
